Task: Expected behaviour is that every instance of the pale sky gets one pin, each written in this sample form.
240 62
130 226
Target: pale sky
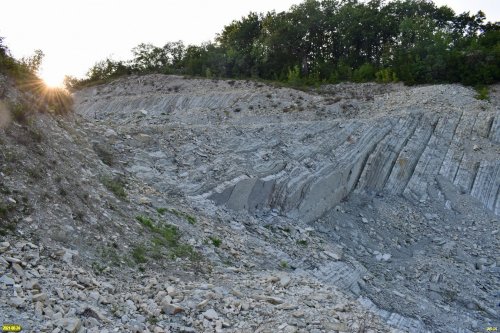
75 34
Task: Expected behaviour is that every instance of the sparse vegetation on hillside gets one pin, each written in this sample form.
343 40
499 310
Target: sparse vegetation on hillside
166 236
39 97
115 185
330 41
190 219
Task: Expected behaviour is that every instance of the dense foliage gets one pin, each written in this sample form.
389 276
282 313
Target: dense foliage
330 41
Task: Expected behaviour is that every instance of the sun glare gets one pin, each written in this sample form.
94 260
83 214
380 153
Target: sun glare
52 80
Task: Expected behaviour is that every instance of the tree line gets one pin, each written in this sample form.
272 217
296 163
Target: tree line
329 41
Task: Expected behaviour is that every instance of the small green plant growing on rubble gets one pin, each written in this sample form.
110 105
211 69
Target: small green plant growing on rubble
98 268
145 221
190 219
482 93
284 264
115 185
302 242
139 254
215 241
169 236
162 211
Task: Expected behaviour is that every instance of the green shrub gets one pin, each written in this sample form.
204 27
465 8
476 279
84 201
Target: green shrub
293 76
342 73
365 73
386 75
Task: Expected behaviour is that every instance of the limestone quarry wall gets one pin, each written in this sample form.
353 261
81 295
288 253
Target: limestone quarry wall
253 147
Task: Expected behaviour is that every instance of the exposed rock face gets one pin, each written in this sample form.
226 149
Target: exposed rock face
271 155
355 208
281 154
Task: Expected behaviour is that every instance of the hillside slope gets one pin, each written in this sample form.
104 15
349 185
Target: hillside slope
354 208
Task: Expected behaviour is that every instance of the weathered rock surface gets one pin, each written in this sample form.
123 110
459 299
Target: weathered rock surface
303 163
352 208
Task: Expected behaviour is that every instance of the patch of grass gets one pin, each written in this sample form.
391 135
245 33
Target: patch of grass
171 234
167 236
215 241
483 93
156 250
284 264
115 185
139 254
162 211
185 251
98 268
146 221
189 218
112 255
302 242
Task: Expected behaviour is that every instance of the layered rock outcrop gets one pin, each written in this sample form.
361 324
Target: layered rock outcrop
248 147
399 184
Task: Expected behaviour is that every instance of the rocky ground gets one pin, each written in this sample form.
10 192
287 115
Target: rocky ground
167 204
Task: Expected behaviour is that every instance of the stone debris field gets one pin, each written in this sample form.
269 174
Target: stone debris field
172 204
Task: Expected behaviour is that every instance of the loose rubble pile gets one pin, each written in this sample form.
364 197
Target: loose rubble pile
168 204
63 297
